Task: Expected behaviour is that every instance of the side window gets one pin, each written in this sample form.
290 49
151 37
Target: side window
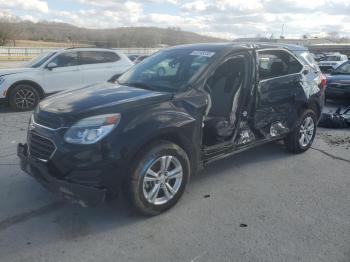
97 57
343 69
276 63
66 59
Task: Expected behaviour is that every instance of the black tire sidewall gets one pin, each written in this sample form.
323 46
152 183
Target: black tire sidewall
14 90
146 159
292 140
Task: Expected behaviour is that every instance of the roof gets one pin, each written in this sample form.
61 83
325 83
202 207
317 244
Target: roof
247 45
90 48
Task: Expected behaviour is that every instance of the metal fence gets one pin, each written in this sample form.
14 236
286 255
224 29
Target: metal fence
26 53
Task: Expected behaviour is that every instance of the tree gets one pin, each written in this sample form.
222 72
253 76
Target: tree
7 29
333 36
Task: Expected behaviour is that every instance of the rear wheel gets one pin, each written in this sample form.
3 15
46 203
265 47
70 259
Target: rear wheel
23 97
302 137
159 177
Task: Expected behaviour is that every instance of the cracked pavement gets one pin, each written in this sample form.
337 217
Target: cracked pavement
260 205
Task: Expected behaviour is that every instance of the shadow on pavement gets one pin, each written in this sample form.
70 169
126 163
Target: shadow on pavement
73 221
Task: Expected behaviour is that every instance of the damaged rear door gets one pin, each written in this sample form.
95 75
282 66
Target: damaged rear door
280 77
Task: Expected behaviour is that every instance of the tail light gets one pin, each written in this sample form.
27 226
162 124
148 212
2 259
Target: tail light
323 81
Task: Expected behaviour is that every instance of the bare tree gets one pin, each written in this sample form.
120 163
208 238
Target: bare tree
333 36
7 29
305 36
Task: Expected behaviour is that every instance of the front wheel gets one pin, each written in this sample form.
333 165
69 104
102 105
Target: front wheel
302 137
159 177
23 97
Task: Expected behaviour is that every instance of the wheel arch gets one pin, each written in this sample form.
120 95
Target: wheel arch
172 136
26 82
314 106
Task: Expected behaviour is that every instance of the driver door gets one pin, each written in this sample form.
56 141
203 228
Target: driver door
65 75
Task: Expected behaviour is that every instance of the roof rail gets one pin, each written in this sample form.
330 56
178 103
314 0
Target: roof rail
82 47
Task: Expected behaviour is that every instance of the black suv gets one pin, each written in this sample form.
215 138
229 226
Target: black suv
168 117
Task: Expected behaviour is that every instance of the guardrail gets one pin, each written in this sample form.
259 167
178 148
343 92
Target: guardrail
26 53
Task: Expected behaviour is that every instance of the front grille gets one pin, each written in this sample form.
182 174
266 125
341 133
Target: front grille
50 122
40 147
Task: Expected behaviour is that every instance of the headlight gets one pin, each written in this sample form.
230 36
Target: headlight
92 129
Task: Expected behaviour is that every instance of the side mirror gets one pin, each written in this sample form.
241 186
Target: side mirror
114 78
51 65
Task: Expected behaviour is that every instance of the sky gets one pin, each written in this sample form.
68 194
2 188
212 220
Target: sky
225 18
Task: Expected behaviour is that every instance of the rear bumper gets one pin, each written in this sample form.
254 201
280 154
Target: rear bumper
76 193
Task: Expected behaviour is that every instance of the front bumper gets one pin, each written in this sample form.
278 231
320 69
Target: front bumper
76 193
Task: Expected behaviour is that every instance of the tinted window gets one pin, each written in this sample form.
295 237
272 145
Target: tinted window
97 57
66 59
275 63
331 58
343 69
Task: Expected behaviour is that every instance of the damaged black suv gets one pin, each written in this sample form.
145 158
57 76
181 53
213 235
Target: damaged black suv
166 118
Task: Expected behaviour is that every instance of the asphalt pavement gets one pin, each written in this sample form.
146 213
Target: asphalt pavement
264 204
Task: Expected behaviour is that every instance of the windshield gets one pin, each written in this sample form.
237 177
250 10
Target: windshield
343 69
331 58
40 59
169 70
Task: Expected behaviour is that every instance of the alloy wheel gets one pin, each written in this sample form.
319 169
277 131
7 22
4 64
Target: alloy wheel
25 99
307 130
162 180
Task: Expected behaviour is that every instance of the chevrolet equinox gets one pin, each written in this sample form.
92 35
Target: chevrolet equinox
147 132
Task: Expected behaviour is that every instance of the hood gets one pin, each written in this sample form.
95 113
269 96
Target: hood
101 97
11 71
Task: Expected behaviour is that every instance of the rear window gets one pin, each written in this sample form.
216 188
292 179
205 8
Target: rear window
332 58
97 57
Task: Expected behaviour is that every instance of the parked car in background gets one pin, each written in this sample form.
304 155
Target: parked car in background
140 58
318 57
55 71
331 61
149 132
338 82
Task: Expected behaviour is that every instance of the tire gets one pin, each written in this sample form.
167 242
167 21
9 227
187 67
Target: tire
301 138
23 97
147 177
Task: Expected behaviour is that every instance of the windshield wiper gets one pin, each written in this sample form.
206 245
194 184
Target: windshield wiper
142 85
138 84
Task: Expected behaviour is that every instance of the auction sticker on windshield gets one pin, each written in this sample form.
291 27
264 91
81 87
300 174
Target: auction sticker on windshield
203 53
